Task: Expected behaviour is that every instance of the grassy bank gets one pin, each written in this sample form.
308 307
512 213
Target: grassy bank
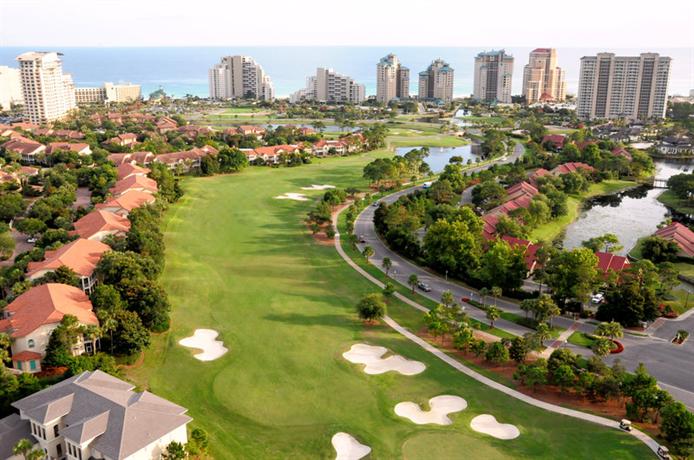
243 263
553 229
669 199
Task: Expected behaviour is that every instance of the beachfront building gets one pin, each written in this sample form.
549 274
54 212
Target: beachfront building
237 77
94 415
392 79
48 93
10 87
543 80
330 86
493 77
436 82
107 94
631 87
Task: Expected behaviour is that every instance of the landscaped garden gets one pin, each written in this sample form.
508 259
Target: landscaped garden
244 264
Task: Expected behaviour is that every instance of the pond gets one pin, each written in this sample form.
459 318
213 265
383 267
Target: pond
630 215
327 129
459 114
439 156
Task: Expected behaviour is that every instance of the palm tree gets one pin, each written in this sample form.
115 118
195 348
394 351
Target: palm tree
496 293
542 332
612 330
447 298
23 447
412 281
387 264
368 252
108 324
484 292
602 347
493 314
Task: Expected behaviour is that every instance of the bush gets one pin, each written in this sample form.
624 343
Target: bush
497 353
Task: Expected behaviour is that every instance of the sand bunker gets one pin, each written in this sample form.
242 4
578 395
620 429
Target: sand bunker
318 187
371 356
487 424
440 406
348 448
204 339
292 196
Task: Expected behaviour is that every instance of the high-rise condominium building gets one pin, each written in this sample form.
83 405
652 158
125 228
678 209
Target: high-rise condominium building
109 93
437 81
10 87
49 94
542 79
330 86
240 77
493 75
632 87
392 79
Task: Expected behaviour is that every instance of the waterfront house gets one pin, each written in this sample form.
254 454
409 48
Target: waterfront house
608 262
681 236
573 166
675 145
31 317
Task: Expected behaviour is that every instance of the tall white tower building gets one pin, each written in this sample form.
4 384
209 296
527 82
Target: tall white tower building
493 77
240 77
543 80
436 82
392 79
49 94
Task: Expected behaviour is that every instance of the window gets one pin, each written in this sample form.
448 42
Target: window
59 449
31 343
55 430
19 365
43 432
32 365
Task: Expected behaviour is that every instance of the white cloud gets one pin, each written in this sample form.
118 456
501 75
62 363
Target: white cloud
619 23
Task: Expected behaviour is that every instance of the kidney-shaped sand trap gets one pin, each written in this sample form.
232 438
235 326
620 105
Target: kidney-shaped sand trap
292 196
371 356
487 424
440 407
318 187
204 339
348 448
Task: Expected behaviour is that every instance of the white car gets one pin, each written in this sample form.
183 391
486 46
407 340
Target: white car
597 298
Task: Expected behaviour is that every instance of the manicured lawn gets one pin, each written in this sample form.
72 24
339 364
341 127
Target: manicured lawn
668 198
436 140
581 339
243 263
483 120
551 230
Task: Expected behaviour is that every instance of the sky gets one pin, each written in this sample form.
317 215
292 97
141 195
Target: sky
561 23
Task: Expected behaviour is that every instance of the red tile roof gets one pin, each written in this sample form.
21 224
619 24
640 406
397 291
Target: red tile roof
529 250
26 355
567 168
100 221
555 139
133 183
77 148
80 255
127 202
520 189
608 261
622 152
47 304
23 146
681 235
129 169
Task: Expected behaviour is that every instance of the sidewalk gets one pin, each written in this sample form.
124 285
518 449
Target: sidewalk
559 341
651 443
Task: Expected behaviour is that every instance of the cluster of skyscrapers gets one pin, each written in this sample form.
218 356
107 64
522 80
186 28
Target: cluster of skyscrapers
393 81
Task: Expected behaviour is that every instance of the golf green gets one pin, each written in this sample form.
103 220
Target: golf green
242 263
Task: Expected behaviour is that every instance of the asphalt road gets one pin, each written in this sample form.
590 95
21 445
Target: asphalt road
672 365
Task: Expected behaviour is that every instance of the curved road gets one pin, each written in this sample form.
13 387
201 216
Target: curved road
671 364
647 440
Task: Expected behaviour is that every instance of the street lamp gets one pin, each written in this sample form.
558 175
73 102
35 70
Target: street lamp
446 275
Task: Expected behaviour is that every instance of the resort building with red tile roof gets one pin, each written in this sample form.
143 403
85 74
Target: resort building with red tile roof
99 224
681 235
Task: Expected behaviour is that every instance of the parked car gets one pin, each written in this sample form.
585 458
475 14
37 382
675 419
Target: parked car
424 286
32 240
664 453
362 239
375 204
625 425
597 298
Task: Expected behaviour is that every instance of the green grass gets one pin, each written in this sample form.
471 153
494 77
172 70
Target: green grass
668 198
243 263
581 339
553 229
493 120
434 140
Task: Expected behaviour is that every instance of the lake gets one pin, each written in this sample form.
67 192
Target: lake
439 156
327 129
630 215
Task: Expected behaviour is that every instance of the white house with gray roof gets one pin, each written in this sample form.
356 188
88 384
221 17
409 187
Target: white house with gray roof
95 415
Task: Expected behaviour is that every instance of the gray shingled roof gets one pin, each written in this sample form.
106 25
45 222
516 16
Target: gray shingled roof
12 429
105 408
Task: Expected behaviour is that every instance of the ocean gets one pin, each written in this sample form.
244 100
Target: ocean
181 71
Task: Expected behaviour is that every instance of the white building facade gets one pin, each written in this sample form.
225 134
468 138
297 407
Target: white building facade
240 77
630 87
10 87
543 80
392 80
48 93
330 86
